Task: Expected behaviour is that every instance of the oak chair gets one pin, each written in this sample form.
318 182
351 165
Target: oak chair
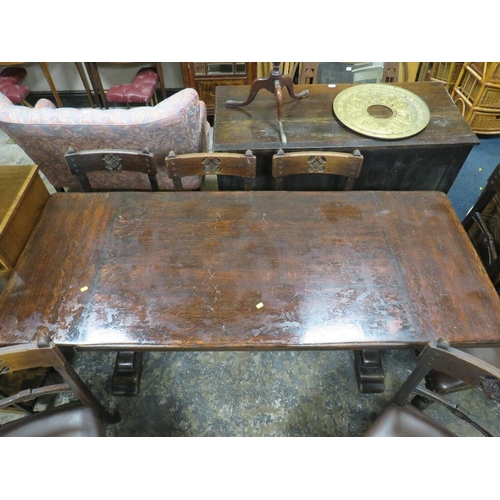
306 72
401 419
347 165
482 224
232 164
82 163
83 418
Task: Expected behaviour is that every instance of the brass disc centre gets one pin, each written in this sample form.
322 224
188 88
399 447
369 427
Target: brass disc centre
379 111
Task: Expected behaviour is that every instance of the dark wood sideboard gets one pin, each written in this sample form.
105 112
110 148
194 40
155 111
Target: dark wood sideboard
430 160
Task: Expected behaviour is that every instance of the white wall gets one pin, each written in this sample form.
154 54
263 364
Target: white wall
66 76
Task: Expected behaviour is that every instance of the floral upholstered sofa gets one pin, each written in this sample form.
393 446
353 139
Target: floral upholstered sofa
45 133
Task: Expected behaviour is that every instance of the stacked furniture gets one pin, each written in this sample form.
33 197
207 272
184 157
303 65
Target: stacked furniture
477 95
446 72
10 78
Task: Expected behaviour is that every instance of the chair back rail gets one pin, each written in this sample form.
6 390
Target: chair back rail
82 162
233 164
317 162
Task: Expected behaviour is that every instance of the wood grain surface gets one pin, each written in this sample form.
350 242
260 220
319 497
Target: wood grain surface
250 270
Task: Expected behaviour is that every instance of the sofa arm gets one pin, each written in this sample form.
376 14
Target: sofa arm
4 101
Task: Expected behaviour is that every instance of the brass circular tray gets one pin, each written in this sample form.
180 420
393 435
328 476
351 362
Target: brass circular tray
381 110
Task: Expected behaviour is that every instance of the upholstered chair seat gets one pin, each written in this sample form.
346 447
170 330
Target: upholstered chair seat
66 421
141 90
16 93
10 78
406 421
131 92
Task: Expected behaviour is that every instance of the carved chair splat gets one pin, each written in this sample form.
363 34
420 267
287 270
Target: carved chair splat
82 162
233 164
317 162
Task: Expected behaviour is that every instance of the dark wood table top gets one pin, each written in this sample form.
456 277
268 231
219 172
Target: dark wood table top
249 270
310 123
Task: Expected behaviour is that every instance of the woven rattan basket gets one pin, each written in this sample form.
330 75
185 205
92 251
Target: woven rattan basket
481 93
446 72
481 122
487 70
477 95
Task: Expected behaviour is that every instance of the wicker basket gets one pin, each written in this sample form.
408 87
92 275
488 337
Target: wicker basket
477 95
488 70
446 72
481 122
481 94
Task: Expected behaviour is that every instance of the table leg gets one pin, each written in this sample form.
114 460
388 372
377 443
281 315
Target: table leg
369 371
127 373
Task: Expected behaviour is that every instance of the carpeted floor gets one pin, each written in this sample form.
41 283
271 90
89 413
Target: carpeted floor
481 161
309 393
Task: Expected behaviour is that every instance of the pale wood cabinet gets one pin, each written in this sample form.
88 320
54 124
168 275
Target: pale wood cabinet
22 197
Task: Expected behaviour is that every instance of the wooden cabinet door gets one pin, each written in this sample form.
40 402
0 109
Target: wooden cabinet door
204 77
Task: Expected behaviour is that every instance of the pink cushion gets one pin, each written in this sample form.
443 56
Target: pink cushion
16 93
129 92
13 74
141 90
146 76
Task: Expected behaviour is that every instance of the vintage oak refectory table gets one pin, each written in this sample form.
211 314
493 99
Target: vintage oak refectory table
249 270
429 160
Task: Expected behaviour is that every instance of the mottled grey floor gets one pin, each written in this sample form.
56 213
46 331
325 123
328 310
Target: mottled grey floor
283 393
307 393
